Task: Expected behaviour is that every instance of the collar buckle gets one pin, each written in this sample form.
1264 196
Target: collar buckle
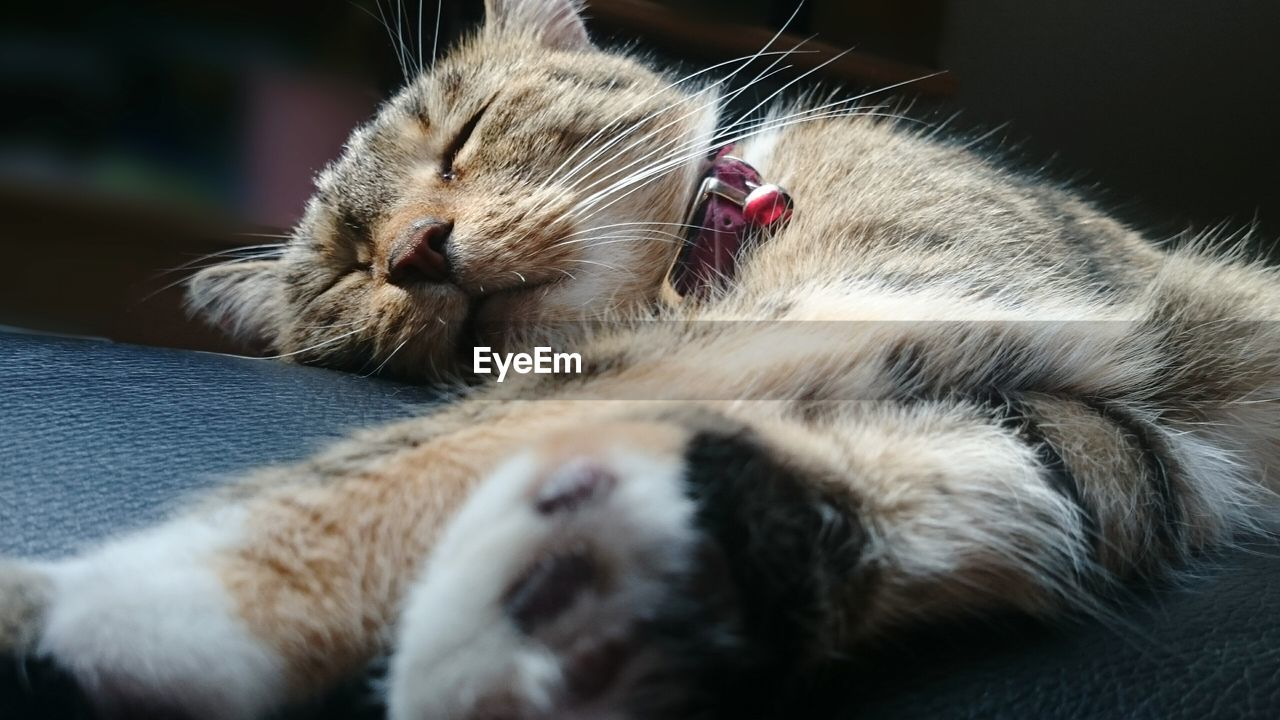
732 212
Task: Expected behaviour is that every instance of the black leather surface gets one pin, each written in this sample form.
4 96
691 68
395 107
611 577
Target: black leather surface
1210 649
96 437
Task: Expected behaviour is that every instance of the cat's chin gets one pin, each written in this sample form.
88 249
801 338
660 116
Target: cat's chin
508 318
487 319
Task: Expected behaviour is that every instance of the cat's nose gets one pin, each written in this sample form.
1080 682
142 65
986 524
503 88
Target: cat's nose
419 255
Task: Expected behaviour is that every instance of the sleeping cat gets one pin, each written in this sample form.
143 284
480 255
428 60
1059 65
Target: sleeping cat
937 389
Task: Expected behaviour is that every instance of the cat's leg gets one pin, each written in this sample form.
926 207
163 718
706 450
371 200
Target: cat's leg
267 592
145 624
961 469
657 567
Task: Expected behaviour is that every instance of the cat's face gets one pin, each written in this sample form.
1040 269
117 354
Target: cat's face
486 195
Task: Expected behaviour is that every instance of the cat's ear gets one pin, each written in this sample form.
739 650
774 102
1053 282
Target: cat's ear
245 299
557 23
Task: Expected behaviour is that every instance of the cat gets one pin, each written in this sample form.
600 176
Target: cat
938 389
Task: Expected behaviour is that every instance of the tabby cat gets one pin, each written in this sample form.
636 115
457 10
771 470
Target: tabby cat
940 388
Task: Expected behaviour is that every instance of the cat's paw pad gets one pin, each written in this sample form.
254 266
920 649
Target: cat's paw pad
554 593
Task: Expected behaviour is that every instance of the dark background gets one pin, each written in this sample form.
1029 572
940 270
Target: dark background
136 136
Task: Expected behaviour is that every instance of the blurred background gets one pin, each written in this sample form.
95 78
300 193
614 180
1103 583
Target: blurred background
138 136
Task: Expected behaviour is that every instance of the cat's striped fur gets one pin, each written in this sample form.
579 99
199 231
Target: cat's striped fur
943 389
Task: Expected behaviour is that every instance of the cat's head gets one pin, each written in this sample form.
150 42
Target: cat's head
528 177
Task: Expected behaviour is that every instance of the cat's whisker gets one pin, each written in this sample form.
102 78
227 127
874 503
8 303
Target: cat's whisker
164 288
606 266
668 162
614 239
392 354
553 176
417 62
435 38
572 177
414 39
852 99
420 58
327 326
260 250
320 344
764 74
194 267
398 48
745 60
596 240
673 240
400 38
190 270
763 52
397 43
282 236
593 205
215 259
639 141
638 223
746 114
984 136
729 134
733 128
770 97
257 246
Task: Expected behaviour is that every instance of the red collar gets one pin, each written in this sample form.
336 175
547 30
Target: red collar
732 212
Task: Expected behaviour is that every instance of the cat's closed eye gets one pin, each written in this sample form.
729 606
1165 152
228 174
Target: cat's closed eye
459 141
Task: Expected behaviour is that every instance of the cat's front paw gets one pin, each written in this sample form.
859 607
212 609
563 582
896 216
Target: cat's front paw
30 687
24 598
576 583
